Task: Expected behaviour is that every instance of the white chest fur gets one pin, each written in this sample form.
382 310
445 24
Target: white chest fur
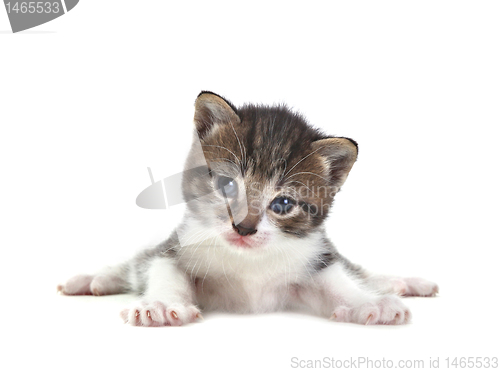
246 280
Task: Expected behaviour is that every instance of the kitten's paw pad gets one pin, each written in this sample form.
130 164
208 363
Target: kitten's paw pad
77 285
420 287
158 314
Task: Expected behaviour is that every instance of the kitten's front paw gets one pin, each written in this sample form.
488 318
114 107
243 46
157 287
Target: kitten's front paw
158 314
386 310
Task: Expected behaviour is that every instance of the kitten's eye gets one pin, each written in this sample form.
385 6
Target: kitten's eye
227 186
282 205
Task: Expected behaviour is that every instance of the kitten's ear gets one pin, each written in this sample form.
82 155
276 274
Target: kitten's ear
340 155
210 109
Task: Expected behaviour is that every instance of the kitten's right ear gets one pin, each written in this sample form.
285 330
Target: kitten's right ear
210 109
340 154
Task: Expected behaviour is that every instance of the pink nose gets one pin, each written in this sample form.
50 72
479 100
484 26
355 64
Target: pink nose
244 231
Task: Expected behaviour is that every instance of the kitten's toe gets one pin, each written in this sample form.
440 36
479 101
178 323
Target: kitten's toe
155 314
341 314
366 314
393 311
124 315
145 314
420 287
178 314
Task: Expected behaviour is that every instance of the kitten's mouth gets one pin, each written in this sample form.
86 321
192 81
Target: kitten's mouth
241 241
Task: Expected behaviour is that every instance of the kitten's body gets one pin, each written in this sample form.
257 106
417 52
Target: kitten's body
252 239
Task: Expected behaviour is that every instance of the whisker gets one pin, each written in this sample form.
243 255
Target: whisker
225 148
239 143
314 174
302 183
224 160
301 160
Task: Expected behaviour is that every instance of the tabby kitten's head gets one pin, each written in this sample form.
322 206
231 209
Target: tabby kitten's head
270 175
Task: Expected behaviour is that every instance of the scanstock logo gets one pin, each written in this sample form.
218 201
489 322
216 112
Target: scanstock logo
28 14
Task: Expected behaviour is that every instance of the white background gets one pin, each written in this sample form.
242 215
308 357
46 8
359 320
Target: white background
90 100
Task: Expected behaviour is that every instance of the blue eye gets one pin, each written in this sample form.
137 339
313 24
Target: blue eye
227 186
282 205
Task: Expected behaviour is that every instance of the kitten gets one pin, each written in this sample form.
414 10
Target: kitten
259 183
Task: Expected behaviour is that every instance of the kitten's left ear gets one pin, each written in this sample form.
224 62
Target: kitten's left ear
210 108
340 154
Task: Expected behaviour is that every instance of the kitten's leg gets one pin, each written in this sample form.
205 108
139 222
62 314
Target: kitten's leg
168 297
168 294
109 281
401 286
342 295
